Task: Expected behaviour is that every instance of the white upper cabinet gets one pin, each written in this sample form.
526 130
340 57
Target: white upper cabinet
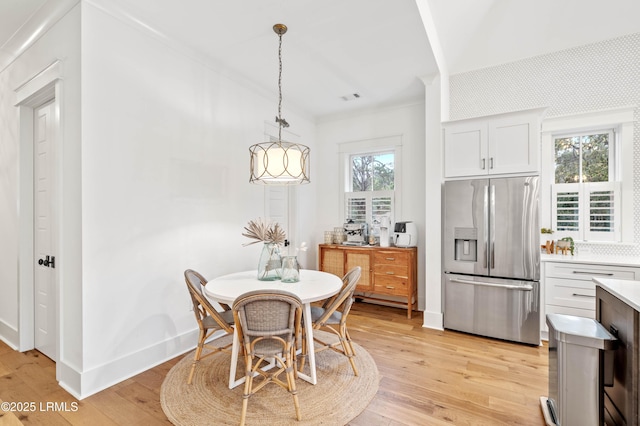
493 145
465 148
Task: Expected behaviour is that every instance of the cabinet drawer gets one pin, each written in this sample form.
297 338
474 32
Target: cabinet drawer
577 271
391 269
389 284
587 313
573 297
391 258
587 284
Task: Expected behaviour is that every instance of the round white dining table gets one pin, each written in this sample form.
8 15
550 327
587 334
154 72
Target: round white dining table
312 287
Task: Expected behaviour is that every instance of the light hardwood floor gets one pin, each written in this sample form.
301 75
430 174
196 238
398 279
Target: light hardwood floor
429 377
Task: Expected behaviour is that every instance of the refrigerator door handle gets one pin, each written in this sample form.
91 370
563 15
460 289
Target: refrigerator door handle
492 226
485 239
484 284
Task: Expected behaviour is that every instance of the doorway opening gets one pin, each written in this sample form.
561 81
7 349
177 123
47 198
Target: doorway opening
39 283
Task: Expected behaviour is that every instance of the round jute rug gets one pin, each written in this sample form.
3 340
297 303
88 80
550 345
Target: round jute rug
337 398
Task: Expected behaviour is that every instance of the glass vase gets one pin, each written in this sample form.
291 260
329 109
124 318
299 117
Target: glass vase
290 269
270 264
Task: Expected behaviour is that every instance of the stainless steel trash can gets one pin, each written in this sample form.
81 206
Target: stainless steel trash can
577 367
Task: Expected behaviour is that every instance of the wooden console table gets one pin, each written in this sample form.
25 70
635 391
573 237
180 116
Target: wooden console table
387 272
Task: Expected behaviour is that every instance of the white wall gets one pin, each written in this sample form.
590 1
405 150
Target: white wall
433 313
406 121
165 188
62 42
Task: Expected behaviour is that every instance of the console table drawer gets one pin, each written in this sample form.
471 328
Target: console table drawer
390 258
391 269
389 284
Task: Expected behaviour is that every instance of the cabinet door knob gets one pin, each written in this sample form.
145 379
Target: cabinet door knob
483 164
389 273
390 287
390 258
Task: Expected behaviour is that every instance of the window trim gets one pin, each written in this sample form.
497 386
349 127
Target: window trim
367 146
622 121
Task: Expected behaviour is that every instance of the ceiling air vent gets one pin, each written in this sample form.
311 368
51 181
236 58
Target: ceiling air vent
350 97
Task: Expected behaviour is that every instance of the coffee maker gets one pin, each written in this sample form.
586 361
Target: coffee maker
356 233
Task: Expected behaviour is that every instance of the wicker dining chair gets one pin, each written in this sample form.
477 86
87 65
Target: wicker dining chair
268 324
209 320
332 316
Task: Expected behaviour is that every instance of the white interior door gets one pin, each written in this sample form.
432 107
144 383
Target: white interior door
44 273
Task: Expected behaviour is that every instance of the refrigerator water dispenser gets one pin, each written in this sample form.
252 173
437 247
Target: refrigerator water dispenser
466 244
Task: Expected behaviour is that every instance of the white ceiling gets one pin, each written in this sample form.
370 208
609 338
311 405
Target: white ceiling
376 48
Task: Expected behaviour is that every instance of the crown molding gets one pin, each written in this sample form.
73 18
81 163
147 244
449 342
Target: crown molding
37 25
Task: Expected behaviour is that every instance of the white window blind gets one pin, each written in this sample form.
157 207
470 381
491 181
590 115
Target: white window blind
368 206
587 211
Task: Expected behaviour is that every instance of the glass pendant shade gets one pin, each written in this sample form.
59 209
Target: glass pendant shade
279 163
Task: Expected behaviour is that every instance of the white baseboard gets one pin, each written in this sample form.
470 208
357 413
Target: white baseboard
9 335
544 335
86 383
433 320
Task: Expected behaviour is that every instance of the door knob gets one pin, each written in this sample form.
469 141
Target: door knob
48 261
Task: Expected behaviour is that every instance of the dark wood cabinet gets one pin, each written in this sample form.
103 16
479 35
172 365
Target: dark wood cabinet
621 320
388 273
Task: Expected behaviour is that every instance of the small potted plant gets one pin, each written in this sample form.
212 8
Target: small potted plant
567 242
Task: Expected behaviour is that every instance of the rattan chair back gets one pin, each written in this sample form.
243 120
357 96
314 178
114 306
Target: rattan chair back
268 324
201 305
210 321
343 301
333 317
268 319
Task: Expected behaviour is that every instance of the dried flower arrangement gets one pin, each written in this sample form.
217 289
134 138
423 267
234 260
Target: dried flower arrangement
261 230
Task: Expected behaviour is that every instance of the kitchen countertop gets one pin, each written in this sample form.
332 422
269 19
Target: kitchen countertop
592 259
627 291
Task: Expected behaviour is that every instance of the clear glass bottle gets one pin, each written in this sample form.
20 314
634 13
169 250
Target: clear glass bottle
270 264
290 269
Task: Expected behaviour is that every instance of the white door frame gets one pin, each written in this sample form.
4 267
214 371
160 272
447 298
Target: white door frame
44 86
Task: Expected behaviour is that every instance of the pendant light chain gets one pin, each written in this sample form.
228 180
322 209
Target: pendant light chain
279 163
280 88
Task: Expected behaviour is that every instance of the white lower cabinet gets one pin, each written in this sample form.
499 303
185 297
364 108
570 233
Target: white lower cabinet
569 288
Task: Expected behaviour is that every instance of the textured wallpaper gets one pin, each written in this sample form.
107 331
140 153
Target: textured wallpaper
587 78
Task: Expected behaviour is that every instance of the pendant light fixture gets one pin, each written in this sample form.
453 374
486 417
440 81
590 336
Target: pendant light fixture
279 163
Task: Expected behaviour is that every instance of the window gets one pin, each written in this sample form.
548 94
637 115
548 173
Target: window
587 175
584 157
585 196
372 185
370 181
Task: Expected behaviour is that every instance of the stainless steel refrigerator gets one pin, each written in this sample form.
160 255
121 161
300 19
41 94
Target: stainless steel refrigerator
491 259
